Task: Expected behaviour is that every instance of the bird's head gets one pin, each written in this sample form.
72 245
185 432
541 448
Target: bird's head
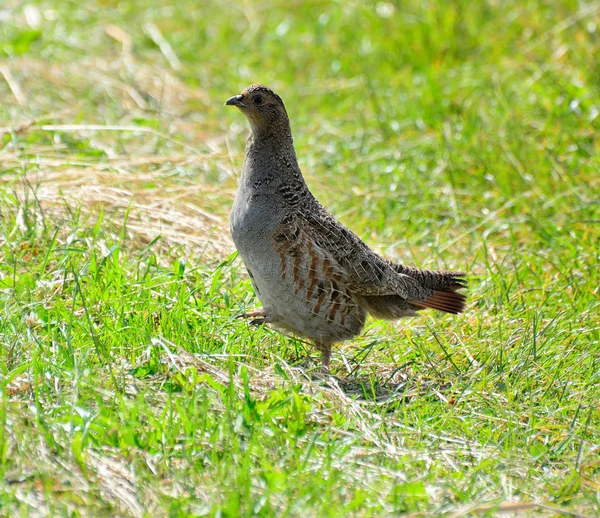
263 108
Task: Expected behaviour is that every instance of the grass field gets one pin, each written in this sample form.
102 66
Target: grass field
451 134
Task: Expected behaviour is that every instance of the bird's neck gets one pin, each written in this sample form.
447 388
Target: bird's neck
271 170
270 154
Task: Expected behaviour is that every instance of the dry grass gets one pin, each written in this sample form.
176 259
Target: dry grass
186 216
148 175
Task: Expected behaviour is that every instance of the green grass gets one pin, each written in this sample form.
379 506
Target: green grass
448 135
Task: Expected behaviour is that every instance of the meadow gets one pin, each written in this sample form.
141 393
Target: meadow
454 134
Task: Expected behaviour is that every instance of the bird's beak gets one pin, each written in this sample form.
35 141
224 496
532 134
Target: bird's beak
236 100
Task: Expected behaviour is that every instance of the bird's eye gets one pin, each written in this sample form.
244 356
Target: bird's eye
257 99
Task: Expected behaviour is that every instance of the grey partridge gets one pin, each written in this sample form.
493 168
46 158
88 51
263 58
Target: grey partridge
314 276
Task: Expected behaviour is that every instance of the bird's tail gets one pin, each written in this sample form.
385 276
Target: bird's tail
435 280
445 286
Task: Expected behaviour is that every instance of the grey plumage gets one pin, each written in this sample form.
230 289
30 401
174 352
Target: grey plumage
313 275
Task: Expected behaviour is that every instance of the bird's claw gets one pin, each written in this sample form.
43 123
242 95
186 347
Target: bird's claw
257 321
262 317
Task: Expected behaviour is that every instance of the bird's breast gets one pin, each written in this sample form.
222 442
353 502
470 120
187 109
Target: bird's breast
254 216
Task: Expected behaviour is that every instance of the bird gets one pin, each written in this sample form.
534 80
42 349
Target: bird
314 277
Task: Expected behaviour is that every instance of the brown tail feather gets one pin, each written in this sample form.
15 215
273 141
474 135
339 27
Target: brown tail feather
447 301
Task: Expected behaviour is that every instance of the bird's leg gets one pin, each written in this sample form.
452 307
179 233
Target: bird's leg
325 355
258 317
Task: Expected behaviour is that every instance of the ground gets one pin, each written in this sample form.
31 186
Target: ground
455 135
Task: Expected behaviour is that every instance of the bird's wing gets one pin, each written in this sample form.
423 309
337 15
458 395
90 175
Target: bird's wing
362 271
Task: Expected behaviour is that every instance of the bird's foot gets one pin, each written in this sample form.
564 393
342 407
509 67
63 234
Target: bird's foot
258 317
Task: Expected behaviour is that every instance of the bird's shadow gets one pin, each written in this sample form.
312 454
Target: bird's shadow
399 385
369 382
374 388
